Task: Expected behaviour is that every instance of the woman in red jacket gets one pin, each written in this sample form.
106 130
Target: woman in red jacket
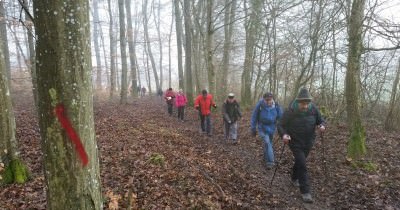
203 103
180 103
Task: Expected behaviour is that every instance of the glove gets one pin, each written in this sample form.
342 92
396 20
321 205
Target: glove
169 98
253 133
215 106
286 138
321 128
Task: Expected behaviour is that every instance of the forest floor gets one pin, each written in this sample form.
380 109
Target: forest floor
154 161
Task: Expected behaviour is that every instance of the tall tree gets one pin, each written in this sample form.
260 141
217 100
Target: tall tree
113 70
132 53
251 28
230 12
392 120
124 64
179 32
32 59
157 22
96 22
65 87
14 168
210 47
188 51
169 49
4 39
148 44
356 147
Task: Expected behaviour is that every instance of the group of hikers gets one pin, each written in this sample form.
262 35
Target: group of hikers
296 126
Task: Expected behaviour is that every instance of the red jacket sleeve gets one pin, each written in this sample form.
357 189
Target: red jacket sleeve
196 102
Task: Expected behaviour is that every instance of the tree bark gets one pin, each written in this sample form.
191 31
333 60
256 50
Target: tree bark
230 12
32 59
391 122
157 22
209 48
179 32
4 40
14 169
148 45
64 79
251 28
112 52
188 51
96 22
132 53
356 147
124 64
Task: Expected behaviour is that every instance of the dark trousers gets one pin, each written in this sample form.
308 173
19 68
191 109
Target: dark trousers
205 122
181 112
169 108
299 170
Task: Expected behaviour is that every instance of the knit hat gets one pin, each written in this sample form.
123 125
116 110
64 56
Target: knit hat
304 95
231 95
268 95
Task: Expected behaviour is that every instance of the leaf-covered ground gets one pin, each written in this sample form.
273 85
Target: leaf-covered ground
154 161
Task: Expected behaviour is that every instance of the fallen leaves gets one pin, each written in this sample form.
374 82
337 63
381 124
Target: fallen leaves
150 160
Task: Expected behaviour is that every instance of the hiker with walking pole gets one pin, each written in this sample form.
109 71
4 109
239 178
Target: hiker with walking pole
297 129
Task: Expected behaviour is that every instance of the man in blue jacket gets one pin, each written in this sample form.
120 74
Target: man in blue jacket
297 128
265 116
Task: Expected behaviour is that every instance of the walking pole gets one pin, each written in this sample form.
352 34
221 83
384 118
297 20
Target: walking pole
324 157
277 164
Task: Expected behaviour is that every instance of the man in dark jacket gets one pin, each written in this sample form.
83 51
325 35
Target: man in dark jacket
297 128
169 99
231 114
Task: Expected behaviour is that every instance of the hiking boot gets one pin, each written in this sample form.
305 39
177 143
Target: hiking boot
307 198
270 166
295 183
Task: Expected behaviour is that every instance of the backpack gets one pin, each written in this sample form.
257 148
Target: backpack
261 107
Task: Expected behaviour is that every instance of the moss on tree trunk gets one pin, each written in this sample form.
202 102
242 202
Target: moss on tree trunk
356 148
15 172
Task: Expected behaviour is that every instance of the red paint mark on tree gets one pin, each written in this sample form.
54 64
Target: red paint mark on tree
71 133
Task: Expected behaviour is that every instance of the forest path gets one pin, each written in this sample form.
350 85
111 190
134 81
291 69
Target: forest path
223 175
168 164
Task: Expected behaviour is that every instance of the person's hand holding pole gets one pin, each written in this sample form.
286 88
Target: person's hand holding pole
286 138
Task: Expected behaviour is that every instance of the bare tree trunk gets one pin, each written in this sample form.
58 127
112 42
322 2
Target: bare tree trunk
65 87
124 73
356 147
169 50
157 22
14 169
147 70
251 31
112 52
148 44
188 51
132 53
391 122
96 22
4 40
230 12
209 48
179 32
32 59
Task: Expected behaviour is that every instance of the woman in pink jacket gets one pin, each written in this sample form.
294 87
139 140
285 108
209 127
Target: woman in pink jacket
180 103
